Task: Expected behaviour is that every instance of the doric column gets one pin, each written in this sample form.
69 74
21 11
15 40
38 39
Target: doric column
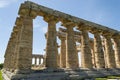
39 60
17 29
7 61
58 60
104 51
62 53
86 55
116 40
92 51
11 52
35 60
13 49
110 57
51 47
24 59
98 50
71 52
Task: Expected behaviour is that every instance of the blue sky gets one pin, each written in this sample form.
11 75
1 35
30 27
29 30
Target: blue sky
105 12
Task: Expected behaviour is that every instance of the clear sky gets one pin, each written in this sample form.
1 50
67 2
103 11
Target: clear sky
105 12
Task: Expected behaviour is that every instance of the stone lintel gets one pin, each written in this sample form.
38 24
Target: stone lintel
37 55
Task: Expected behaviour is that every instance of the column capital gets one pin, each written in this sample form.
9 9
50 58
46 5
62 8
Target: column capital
23 12
82 27
116 36
62 38
95 31
68 24
107 34
50 19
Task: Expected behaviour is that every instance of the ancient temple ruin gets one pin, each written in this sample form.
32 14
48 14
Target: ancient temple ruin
100 56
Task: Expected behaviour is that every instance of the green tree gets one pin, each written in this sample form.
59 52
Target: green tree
1 65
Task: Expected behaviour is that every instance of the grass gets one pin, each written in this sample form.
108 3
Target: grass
101 79
108 77
1 75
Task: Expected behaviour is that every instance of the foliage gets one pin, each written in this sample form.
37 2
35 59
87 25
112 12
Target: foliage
1 65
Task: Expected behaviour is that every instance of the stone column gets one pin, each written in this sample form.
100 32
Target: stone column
24 59
39 60
18 29
71 53
93 54
98 50
13 49
10 63
63 53
117 50
104 51
35 60
86 55
7 61
110 57
58 60
51 49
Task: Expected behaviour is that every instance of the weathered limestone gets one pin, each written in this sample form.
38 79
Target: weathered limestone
93 53
63 52
51 49
24 59
86 54
110 57
13 55
71 53
7 62
18 56
98 50
116 40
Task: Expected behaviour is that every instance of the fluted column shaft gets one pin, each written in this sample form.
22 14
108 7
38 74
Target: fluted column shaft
98 50
35 61
51 49
109 52
7 61
117 51
24 59
86 55
40 60
17 46
13 55
93 54
63 53
71 53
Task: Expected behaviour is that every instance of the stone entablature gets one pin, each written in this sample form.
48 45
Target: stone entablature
37 10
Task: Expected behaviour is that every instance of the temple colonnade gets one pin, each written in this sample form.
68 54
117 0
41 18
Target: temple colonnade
18 56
